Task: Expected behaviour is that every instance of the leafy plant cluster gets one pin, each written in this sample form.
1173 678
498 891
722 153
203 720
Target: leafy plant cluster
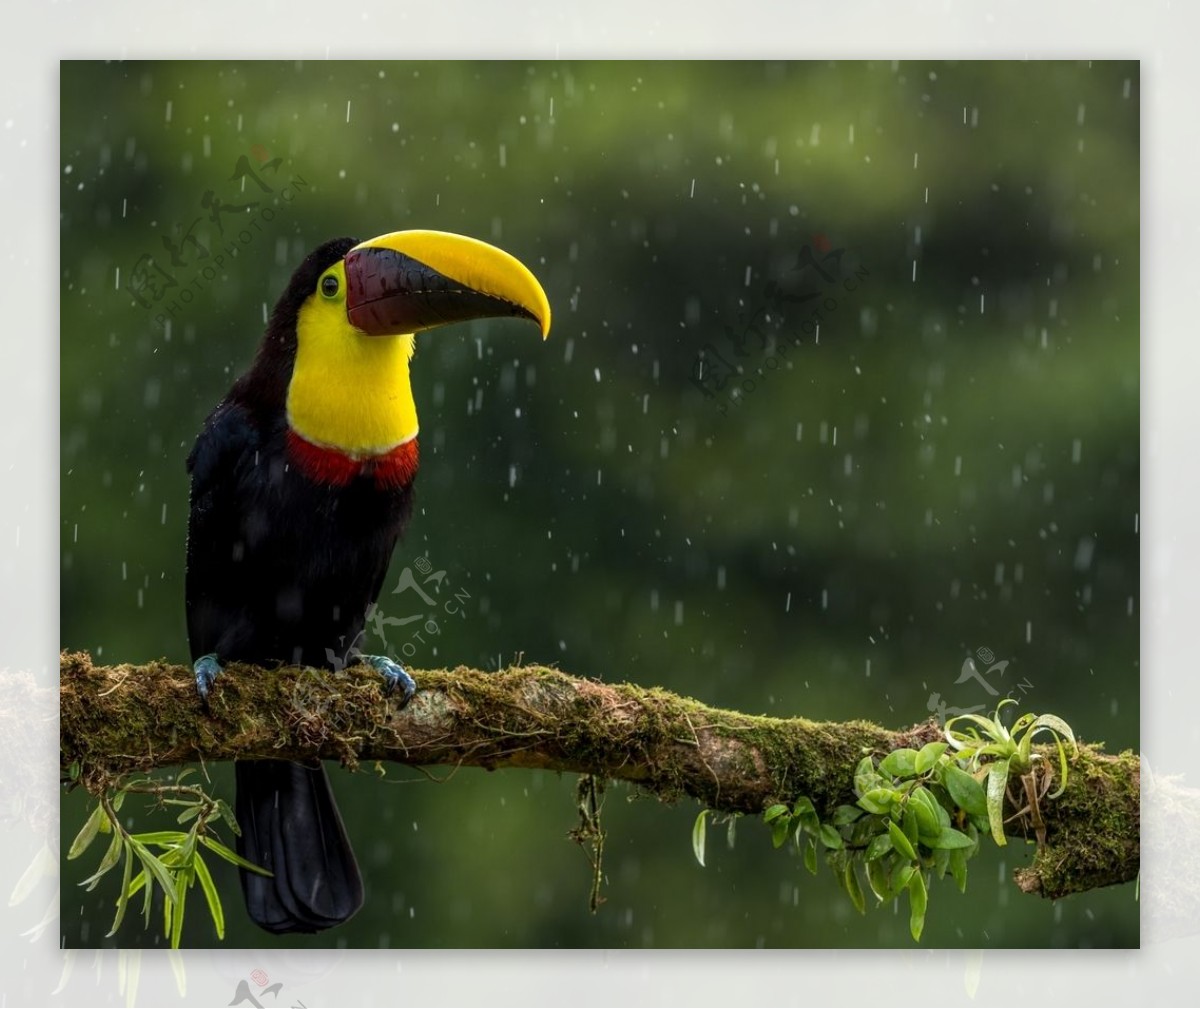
922 812
170 861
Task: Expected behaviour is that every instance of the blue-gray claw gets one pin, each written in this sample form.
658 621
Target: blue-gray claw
206 668
394 675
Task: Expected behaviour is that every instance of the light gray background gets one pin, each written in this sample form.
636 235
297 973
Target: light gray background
1162 34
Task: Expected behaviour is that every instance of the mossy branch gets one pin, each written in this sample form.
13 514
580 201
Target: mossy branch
134 718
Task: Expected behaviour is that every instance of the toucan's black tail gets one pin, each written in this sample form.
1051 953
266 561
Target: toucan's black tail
290 826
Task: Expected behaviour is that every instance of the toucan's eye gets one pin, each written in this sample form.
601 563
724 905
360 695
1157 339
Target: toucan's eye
329 286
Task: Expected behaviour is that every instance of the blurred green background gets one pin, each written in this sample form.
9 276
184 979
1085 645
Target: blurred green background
951 466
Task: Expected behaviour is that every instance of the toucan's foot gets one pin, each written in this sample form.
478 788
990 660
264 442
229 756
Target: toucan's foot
206 668
394 675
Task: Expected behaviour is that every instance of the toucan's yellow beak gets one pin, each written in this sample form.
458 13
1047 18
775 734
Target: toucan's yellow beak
411 281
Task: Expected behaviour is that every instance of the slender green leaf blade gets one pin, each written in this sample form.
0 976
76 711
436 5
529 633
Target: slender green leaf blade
87 834
123 897
110 859
698 832
177 910
211 896
997 780
853 886
226 812
164 838
232 856
155 868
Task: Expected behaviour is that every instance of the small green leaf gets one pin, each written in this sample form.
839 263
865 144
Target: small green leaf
845 815
91 827
774 812
879 800
781 830
997 781
698 831
928 756
211 896
802 806
900 841
232 856
877 879
918 900
941 861
804 814
899 763
187 814
909 824
810 855
950 838
958 868
853 886
731 831
925 806
830 837
865 776
966 792
226 812
879 847
901 877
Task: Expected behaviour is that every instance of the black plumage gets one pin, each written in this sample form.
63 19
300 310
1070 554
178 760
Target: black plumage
282 569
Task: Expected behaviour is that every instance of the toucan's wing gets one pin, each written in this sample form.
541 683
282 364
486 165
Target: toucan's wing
221 464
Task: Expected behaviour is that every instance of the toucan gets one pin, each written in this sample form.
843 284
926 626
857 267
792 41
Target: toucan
301 484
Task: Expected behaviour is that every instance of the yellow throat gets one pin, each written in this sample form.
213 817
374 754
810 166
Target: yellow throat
349 391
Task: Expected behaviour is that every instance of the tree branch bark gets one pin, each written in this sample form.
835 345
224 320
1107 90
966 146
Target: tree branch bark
134 718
